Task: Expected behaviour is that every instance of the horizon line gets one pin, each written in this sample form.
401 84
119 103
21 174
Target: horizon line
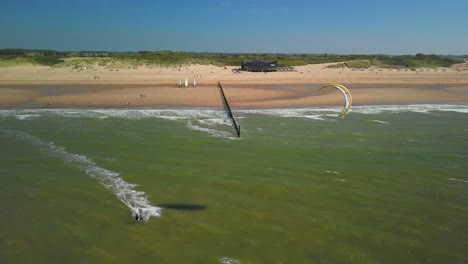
247 53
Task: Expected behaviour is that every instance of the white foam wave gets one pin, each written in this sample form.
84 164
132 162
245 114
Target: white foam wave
124 191
312 113
419 108
226 260
458 180
379 121
206 117
210 131
215 121
321 112
315 117
121 113
27 116
216 115
172 114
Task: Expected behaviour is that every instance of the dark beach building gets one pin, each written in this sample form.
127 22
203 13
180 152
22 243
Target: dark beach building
259 66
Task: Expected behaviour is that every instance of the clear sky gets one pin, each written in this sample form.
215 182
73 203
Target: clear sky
294 26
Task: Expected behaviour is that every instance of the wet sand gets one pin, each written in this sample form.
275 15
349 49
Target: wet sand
38 86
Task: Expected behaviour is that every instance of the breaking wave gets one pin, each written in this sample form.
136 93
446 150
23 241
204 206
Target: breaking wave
216 122
218 116
211 131
417 108
323 113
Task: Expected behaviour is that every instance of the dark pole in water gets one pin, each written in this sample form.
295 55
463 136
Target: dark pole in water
237 127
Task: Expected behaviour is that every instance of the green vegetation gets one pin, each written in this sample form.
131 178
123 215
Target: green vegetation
352 64
12 60
117 60
410 62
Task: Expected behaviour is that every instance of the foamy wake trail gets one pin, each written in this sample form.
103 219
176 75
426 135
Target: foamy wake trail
226 260
458 180
125 192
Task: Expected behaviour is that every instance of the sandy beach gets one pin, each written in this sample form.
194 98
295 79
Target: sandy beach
28 86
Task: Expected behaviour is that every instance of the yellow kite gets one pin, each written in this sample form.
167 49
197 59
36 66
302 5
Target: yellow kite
346 93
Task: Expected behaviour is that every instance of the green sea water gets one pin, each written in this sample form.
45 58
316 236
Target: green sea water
385 184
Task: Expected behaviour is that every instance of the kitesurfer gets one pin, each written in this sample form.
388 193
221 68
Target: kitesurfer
139 216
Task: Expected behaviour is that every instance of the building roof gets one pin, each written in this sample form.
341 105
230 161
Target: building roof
258 61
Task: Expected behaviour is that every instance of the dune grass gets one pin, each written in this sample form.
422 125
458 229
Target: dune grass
408 62
177 59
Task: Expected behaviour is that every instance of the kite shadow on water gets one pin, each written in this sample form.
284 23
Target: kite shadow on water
183 207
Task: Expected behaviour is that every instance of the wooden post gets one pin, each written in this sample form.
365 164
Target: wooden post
237 127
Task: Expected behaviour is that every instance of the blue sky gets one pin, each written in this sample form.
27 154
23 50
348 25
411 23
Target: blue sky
329 26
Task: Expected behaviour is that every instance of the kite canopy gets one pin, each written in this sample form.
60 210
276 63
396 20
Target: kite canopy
346 93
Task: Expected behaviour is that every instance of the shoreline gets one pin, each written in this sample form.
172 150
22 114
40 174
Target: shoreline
326 109
39 87
123 96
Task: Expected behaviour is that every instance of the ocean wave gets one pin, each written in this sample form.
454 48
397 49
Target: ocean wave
417 108
215 121
124 191
27 116
319 113
210 131
120 113
325 113
379 121
226 260
311 113
213 118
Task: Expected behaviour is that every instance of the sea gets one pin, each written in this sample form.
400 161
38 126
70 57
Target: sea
383 184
